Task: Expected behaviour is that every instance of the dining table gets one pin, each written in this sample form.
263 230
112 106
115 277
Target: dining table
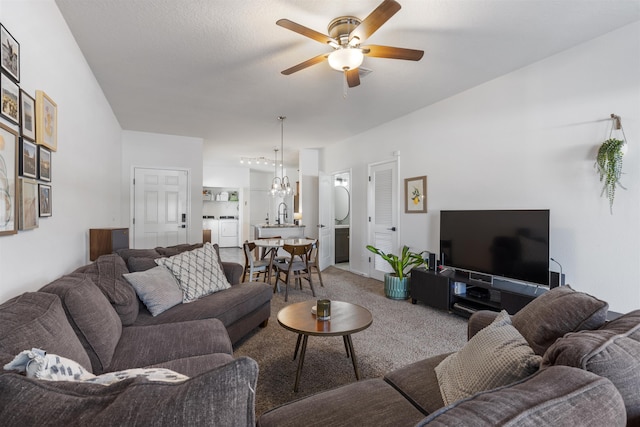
269 248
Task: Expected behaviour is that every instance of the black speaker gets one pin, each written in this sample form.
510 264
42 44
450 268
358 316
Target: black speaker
555 279
432 262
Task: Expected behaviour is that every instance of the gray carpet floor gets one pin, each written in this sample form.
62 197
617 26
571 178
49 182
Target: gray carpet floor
401 333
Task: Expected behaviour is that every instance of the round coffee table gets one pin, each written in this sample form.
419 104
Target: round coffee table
346 319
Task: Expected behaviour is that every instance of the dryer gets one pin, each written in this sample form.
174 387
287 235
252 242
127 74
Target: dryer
228 232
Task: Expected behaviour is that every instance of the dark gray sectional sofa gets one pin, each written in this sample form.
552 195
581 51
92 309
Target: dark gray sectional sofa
589 376
93 316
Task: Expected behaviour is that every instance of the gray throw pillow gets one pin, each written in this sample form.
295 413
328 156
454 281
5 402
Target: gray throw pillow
198 272
496 356
557 312
157 288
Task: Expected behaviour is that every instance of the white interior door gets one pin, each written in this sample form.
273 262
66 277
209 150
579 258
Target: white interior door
383 215
161 208
325 223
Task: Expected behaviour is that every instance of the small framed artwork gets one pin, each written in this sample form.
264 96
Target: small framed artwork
415 195
44 199
8 178
46 121
27 116
10 54
10 95
28 159
28 196
44 164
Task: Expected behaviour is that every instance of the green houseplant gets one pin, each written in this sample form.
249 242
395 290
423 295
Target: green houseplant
609 165
396 284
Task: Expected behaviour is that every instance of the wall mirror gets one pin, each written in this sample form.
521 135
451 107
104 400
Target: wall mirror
341 203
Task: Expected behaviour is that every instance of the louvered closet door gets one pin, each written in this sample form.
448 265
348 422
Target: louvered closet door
383 213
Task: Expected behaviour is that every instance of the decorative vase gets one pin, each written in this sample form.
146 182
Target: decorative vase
396 288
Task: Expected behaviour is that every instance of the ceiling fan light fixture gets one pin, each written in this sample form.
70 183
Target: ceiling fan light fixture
345 59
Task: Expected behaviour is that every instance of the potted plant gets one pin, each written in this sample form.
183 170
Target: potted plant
609 165
396 284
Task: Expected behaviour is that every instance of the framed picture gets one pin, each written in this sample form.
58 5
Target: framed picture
8 178
10 95
415 195
46 121
28 196
28 159
44 199
44 164
10 54
27 116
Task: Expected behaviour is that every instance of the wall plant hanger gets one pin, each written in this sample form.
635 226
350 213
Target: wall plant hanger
609 161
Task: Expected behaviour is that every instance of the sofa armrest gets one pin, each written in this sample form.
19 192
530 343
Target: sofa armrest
223 396
233 271
479 320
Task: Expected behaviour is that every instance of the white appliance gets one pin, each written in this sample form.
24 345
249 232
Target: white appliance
228 236
209 223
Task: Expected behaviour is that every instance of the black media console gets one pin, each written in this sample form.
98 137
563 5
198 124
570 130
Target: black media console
464 295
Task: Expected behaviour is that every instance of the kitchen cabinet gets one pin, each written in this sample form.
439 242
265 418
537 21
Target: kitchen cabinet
342 244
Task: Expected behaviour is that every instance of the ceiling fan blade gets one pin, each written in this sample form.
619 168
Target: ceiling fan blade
376 51
308 63
307 32
371 23
353 77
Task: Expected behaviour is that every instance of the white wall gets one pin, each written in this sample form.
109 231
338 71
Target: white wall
525 140
86 167
142 149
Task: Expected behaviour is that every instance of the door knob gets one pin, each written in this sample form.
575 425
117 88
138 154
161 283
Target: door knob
392 229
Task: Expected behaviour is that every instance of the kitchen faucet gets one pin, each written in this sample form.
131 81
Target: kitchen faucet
283 214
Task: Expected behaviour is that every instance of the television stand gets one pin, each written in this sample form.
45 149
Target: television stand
464 295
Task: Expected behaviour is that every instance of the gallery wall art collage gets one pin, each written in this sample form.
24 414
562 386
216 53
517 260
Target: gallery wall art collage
28 137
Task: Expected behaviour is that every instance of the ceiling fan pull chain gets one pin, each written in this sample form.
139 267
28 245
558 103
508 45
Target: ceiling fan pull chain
344 86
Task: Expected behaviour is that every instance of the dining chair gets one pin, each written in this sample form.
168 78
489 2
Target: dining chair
296 266
254 266
314 253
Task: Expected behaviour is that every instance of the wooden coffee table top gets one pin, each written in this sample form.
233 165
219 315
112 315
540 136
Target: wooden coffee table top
346 319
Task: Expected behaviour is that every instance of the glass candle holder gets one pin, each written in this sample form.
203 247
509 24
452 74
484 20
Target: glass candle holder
323 309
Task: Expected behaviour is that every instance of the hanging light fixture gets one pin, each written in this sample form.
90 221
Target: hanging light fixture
280 186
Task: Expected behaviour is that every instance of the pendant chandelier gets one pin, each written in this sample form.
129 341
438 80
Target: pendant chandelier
281 186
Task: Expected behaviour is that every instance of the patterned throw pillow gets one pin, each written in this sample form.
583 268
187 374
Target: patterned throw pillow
496 356
36 363
157 288
198 272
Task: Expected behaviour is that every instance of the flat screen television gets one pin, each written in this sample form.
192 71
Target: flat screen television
506 243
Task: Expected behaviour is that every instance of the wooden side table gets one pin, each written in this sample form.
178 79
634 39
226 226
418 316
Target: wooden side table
346 319
104 241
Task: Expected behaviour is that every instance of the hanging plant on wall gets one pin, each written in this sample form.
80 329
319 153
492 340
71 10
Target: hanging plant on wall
609 163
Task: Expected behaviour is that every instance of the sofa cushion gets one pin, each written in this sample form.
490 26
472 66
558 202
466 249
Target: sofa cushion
155 344
106 272
169 251
126 253
497 355
558 396
157 288
612 352
198 272
557 312
364 403
223 396
136 264
228 306
37 319
92 317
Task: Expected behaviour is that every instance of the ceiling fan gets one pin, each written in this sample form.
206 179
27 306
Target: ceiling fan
346 33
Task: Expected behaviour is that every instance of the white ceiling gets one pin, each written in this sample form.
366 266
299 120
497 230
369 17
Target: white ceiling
211 68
